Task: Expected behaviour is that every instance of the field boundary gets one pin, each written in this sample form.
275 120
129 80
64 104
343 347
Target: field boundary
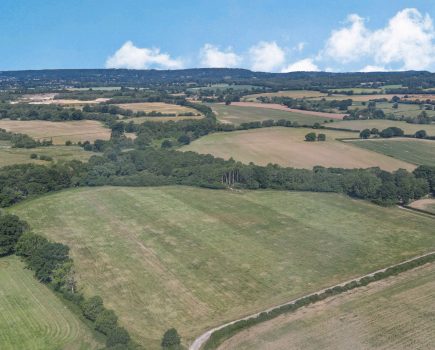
422 211
205 340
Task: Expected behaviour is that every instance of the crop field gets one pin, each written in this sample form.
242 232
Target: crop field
288 93
139 120
33 318
396 313
192 258
9 156
157 107
383 124
427 204
415 151
287 147
59 132
237 115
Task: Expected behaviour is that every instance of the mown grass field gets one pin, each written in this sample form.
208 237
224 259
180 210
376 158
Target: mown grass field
427 204
383 124
33 318
420 152
397 313
287 147
192 258
59 132
9 156
288 93
139 120
237 115
157 107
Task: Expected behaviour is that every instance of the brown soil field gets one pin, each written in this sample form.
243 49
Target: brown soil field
396 313
157 107
284 108
59 132
287 147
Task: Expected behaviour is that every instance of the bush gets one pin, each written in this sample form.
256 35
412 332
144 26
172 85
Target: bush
68 143
33 156
45 157
310 137
171 339
166 144
420 134
117 336
11 229
321 137
365 134
106 321
92 307
184 139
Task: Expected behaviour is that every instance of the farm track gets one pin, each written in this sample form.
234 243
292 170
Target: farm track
202 339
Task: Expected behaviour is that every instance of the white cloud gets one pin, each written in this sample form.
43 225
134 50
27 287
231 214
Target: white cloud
266 56
305 65
213 57
370 68
300 46
407 41
132 57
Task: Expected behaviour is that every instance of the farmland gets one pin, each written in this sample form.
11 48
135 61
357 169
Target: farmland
396 313
427 204
33 318
160 107
237 115
290 93
415 151
139 120
287 147
59 132
192 258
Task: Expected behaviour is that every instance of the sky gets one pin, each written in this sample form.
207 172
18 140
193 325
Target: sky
261 35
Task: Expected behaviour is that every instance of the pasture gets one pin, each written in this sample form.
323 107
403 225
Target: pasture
396 313
33 318
287 147
59 132
161 107
415 151
139 120
381 124
288 93
192 258
238 115
10 156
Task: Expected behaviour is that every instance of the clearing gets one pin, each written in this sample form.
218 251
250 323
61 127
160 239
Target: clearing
427 204
396 313
33 318
287 147
158 107
59 132
193 258
415 151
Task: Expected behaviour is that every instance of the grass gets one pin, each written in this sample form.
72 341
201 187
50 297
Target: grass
396 313
192 258
427 204
33 318
139 120
287 147
157 107
420 152
383 124
288 93
10 156
59 132
237 115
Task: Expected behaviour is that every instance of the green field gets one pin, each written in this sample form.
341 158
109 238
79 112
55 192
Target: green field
9 156
383 124
192 258
33 318
397 313
237 115
420 152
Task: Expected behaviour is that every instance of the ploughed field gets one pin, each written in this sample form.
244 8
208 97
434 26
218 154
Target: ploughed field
396 313
287 147
193 258
33 318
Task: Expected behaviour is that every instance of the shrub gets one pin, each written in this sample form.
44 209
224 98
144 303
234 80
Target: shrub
171 339
92 307
106 321
420 134
68 143
310 137
365 134
117 336
321 137
33 156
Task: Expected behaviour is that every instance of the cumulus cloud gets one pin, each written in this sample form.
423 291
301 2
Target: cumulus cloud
407 41
132 57
266 56
305 65
370 68
212 57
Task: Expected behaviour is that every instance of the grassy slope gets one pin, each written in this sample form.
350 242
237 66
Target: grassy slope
287 147
393 314
237 115
33 318
420 152
192 258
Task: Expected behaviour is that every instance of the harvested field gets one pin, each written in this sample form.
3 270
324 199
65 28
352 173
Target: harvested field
285 108
192 258
33 318
287 147
157 107
427 204
396 313
238 115
139 120
59 132
289 93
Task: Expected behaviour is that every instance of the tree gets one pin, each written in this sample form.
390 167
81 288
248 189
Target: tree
68 143
321 137
106 321
374 131
184 139
166 144
365 134
310 137
11 228
420 134
391 132
92 307
171 339
117 336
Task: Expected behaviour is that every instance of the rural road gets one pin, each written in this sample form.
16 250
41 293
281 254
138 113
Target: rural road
200 341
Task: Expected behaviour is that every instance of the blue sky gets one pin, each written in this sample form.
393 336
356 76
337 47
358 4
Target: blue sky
269 35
